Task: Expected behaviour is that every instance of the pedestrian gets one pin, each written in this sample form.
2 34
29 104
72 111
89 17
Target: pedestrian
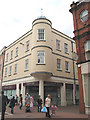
47 105
31 102
10 97
20 101
53 110
12 104
16 100
39 103
27 102
5 101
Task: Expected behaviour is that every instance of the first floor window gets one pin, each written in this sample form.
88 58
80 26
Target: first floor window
67 66
5 71
6 57
27 64
27 45
11 54
10 70
16 51
15 68
58 64
40 57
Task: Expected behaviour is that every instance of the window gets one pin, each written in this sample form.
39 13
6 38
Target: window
58 44
67 66
41 34
40 57
11 54
16 51
15 68
5 72
6 57
10 70
27 64
66 47
58 64
27 45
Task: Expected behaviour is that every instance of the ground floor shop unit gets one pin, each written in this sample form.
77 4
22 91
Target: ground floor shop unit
63 91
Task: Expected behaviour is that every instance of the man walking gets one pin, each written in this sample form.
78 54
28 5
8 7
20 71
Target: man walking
39 103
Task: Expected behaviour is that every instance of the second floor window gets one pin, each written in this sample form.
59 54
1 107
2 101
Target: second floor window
65 47
27 64
5 71
27 45
16 51
6 57
11 54
40 57
58 44
15 71
41 33
67 66
58 64
10 70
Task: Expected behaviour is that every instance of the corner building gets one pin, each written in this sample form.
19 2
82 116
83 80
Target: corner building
41 62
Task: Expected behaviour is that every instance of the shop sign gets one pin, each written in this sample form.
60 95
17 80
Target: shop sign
9 87
31 84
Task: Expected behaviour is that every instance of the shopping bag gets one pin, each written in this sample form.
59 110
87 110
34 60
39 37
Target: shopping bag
44 109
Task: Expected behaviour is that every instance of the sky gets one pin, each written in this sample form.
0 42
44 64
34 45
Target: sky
16 17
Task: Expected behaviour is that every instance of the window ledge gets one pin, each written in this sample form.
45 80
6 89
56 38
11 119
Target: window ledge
40 64
59 69
41 40
58 50
5 76
66 53
16 56
14 73
67 71
26 50
9 75
11 58
26 70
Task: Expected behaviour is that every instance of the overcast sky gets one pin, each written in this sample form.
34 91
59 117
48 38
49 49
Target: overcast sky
16 17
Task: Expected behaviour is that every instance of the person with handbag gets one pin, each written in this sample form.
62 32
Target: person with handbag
47 105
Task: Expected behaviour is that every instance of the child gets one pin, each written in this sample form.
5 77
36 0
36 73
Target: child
53 109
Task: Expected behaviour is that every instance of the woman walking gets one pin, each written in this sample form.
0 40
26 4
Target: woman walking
20 101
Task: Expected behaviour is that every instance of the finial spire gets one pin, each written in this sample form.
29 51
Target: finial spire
41 11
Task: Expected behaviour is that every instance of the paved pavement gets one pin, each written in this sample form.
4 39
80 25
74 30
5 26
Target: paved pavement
63 112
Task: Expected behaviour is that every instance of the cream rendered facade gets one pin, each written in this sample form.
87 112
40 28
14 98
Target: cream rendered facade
44 78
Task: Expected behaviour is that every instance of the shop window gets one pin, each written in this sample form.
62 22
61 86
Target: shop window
41 33
40 57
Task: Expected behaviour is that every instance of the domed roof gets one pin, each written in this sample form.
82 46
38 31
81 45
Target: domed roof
41 17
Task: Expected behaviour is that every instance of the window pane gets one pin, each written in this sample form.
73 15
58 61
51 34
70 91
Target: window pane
40 57
58 44
27 64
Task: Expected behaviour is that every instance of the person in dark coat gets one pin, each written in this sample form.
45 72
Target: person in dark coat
5 101
39 103
12 104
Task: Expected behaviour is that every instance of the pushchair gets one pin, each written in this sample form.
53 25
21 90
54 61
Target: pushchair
28 107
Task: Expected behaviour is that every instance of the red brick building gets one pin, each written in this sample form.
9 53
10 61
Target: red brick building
81 19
